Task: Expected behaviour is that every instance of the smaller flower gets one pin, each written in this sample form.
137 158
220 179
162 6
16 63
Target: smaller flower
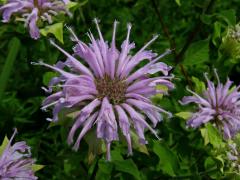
33 12
230 46
16 161
219 105
233 155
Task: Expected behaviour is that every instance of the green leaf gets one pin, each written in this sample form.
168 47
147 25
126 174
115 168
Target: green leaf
209 163
95 145
199 85
83 3
229 16
184 115
74 5
3 1
127 166
206 19
178 2
136 145
221 160
71 4
47 77
55 29
232 176
160 95
14 46
104 170
4 144
211 135
37 167
168 161
197 53
216 32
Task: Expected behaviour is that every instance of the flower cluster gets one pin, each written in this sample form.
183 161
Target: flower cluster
110 92
32 12
230 46
219 104
233 156
16 161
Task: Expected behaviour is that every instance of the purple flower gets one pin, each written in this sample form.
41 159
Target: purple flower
233 156
110 91
16 161
219 104
32 12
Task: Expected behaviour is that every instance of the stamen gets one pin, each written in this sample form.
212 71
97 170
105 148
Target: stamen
53 12
150 42
206 103
14 134
61 100
168 51
74 60
66 74
98 29
49 119
75 37
216 75
114 33
129 27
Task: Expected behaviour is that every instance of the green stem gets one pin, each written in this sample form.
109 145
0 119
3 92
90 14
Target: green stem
14 46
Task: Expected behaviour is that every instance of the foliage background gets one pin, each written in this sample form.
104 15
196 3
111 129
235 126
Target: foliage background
193 28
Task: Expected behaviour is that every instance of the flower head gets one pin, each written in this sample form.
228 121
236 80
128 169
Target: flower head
16 161
109 91
219 105
233 156
230 46
32 12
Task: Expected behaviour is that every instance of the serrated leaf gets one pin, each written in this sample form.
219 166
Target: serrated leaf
127 166
55 29
197 53
184 115
4 144
168 161
37 167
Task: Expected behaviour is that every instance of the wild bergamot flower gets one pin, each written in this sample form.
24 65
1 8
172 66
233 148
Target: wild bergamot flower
219 104
110 91
16 161
33 12
230 46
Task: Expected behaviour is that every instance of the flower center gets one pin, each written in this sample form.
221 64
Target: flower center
114 89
